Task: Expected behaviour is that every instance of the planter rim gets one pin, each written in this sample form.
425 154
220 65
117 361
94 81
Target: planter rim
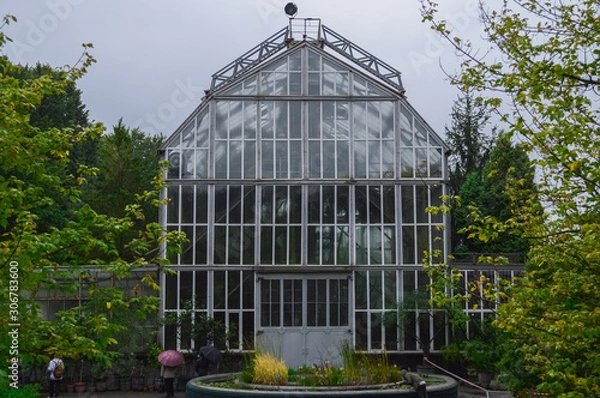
192 385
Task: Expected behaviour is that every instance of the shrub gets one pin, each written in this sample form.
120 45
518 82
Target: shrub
269 370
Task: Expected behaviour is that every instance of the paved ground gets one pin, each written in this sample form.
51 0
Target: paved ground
463 392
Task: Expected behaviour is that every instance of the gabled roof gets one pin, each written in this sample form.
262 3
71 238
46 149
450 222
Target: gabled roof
326 37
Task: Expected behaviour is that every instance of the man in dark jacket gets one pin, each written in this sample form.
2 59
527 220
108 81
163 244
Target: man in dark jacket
417 382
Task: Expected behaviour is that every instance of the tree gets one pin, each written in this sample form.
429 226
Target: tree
469 148
466 138
544 81
488 193
34 161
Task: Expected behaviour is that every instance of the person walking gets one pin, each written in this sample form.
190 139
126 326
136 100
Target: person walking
168 374
55 370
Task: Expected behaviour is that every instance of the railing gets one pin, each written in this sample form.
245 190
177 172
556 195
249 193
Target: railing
474 258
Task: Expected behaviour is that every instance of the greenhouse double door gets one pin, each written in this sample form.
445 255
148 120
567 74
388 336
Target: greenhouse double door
304 318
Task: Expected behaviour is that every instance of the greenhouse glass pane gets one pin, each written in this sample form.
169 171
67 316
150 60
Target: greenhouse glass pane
408 245
202 122
295 61
221 120
408 205
281 83
314 61
328 124
359 120
329 159
314 120
388 160
314 205
342 159
359 86
220 205
201 163
375 246
173 205
435 162
235 159
360 159
267 159
296 159
250 120
266 119
374 160
187 135
373 121
248 245
281 159
249 159
187 163
342 216
233 245
407 163
221 159
313 247
235 205
281 120
421 162
387 120
187 204
314 83
422 203
343 246
201 248
375 292
235 120
420 134
314 159
295 119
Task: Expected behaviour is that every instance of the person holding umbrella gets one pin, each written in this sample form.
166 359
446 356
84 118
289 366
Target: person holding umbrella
169 361
209 361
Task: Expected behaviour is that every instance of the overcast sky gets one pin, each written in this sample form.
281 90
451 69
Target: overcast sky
156 57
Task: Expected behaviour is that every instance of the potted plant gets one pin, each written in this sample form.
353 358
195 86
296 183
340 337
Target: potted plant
482 357
99 376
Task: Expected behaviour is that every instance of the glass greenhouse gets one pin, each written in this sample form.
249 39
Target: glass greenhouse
302 181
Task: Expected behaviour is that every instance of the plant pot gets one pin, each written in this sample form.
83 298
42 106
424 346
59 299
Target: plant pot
484 379
91 388
79 386
125 384
137 383
70 387
101 386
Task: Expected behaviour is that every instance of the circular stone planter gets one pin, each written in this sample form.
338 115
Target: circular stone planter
449 389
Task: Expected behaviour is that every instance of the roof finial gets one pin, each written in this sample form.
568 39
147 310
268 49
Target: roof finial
291 9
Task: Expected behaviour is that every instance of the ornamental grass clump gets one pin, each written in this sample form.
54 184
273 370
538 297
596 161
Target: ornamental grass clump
269 370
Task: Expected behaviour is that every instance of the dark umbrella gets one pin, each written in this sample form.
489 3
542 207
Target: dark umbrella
170 358
211 354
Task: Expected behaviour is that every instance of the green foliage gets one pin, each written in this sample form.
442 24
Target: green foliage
199 327
27 391
545 90
54 251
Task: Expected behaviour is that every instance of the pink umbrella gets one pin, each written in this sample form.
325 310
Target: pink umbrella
170 358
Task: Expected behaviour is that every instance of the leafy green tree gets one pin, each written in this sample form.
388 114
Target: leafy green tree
467 139
34 161
490 193
128 163
469 148
543 79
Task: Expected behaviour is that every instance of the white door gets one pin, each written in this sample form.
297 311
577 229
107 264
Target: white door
304 319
